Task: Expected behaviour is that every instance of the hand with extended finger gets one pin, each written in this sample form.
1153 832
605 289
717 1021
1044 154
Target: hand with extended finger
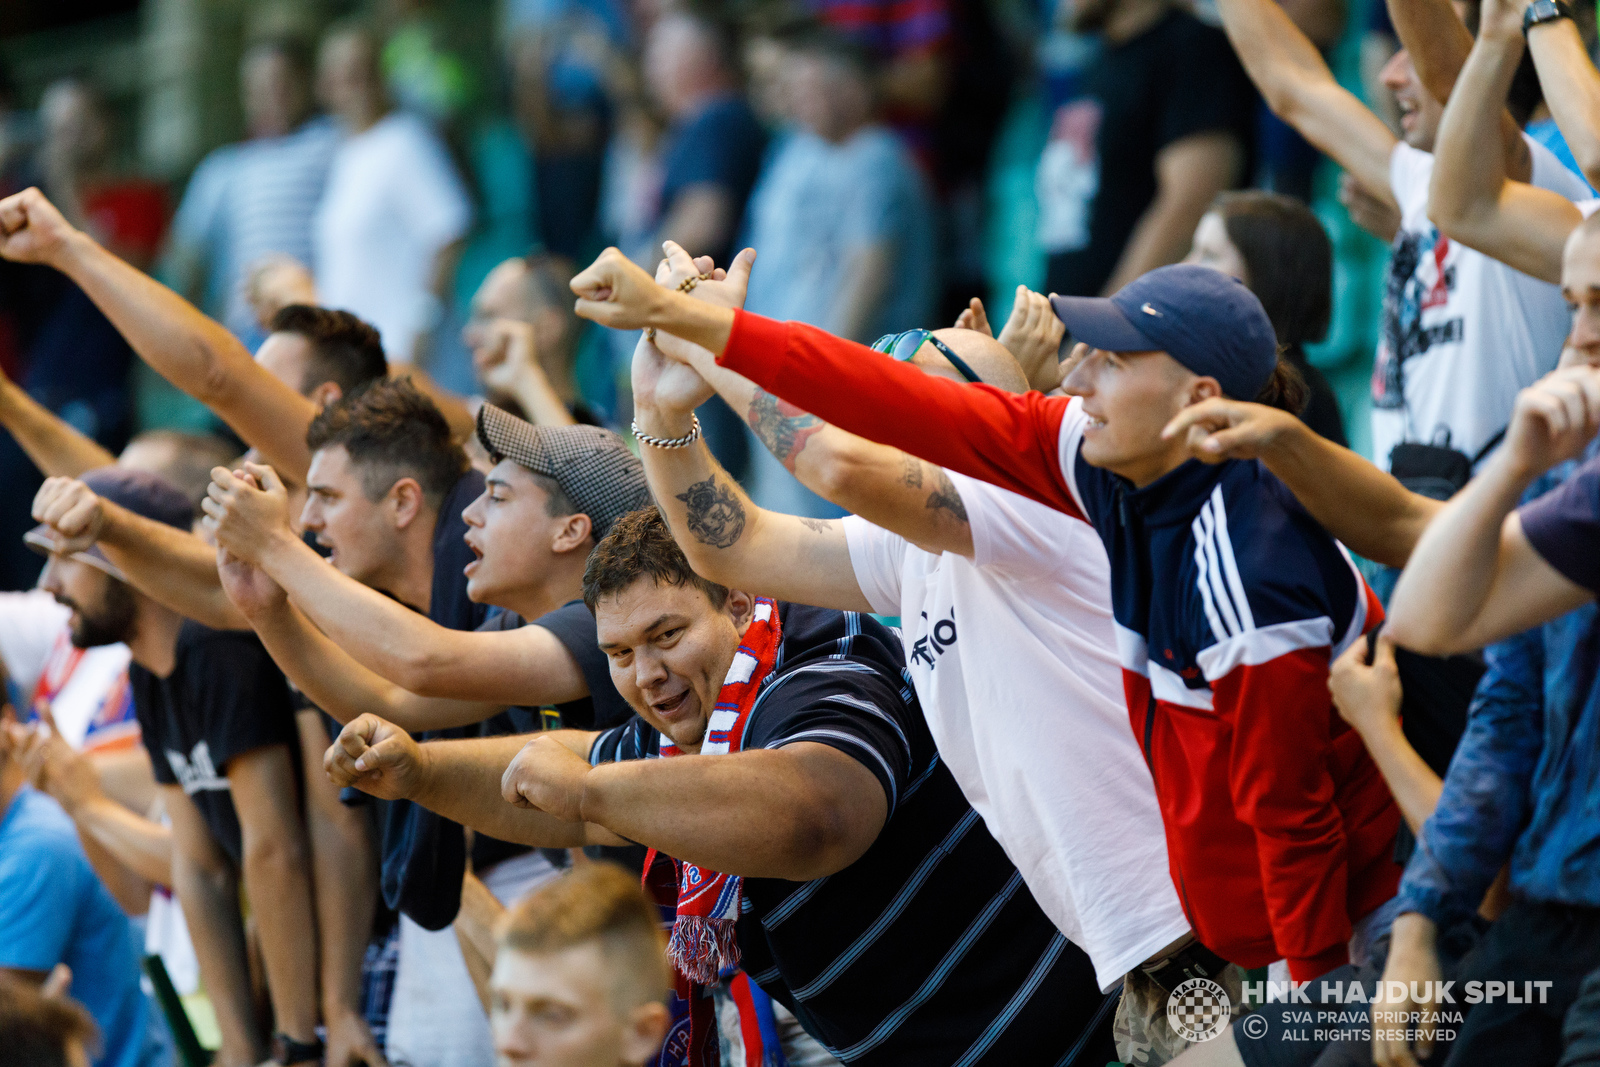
376 757
1554 419
1033 334
31 229
974 317
724 288
549 776
72 511
247 510
1217 429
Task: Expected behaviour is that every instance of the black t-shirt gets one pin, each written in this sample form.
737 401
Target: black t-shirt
928 949
224 697
1177 79
573 625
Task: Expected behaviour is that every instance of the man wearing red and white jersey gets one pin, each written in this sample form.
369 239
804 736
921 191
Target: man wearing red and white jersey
1229 600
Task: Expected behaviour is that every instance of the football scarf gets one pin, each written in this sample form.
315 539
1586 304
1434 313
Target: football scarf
705 903
703 943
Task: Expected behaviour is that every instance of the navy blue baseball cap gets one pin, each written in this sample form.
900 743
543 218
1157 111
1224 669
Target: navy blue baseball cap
141 492
1207 321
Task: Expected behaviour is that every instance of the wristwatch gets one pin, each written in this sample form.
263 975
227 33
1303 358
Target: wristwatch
1542 11
286 1050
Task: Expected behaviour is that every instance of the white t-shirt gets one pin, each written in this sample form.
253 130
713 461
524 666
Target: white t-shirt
392 201
1461 332
1014 660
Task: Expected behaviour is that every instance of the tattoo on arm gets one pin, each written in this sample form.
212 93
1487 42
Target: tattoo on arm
782 427
946 497
820 526
716 517
911 474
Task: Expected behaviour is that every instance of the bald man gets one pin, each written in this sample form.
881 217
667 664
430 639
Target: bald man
1006 612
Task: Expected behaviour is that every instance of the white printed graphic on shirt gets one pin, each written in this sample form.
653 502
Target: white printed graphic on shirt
196 773
1014 659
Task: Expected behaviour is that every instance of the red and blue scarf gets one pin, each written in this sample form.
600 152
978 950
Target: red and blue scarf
703 944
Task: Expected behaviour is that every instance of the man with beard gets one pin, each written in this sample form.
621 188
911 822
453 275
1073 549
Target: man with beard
217 720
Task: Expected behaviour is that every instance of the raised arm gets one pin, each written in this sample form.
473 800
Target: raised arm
1189 174
1470 198
193 352
1365 507
1003 438
1474 577
173 567
1438 43
726 537
1297 84
54 446
1571 84
523 666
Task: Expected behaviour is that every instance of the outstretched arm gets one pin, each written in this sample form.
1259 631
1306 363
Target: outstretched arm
53 445
323 671
1470 198
1475 578
523 666
173 567
1366 508
1009 440
457 779
193 352
807 810
1297 84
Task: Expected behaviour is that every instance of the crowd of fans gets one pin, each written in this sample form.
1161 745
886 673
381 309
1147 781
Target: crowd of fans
703 657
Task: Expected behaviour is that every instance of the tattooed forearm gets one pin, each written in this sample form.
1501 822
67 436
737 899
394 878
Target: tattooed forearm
782 427
945 496
716 516
911 473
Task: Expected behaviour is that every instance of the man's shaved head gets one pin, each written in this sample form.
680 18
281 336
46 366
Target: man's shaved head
989 359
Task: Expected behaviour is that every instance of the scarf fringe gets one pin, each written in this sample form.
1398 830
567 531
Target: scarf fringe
701 947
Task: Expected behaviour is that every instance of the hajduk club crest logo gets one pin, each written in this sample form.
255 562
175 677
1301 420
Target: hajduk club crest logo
1198 1009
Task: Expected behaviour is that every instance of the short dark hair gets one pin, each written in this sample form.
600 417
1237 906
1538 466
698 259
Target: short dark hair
393 431
345 350
640 545
828 44
1288 258
35 1029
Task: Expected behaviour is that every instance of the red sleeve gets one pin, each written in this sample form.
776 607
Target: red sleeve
1006 439
1278 773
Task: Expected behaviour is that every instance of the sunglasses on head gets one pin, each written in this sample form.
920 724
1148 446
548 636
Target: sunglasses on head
902 346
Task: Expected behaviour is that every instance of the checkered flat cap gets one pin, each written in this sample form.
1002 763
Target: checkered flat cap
591 465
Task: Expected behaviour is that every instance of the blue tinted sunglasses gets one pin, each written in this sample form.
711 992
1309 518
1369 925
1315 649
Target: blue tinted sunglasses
902 346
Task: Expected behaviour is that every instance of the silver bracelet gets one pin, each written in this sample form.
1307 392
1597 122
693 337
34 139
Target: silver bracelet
665 442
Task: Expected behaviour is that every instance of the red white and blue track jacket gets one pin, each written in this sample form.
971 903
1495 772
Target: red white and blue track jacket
1230 602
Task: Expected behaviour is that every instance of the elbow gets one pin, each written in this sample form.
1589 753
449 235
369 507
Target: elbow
816 842
835 470
419 671
1415 635
277 854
